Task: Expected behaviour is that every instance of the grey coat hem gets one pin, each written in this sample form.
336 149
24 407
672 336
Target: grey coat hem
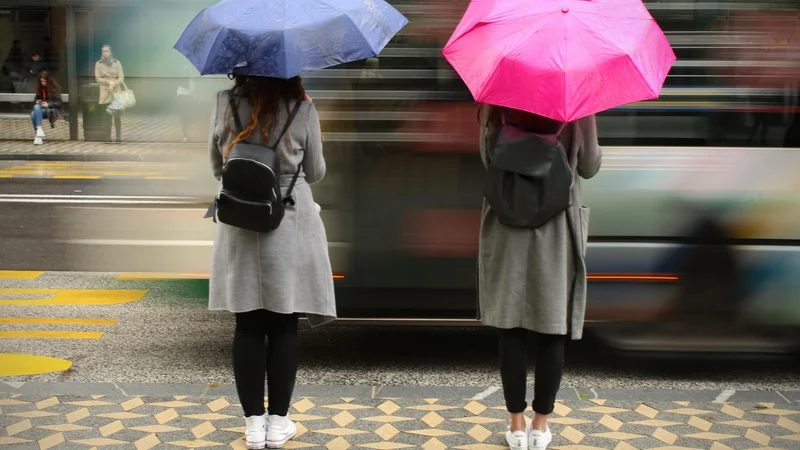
314 320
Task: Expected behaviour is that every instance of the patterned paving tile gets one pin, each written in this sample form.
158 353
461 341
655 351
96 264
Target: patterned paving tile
431 424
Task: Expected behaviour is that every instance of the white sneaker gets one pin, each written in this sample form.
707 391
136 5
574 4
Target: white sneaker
280 431
40 132
37 141
517 440
256 433
538 440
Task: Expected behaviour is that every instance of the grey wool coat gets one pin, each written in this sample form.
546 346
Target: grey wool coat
536 278
286 270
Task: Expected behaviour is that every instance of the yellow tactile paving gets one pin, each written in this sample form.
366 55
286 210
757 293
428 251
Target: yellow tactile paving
70 296
19 275
50 335
333 423
54 321
13 364
17 364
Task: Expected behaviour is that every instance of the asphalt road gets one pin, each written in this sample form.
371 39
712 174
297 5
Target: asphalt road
51 212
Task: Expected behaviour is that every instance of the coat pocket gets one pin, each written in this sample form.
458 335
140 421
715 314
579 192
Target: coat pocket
584 212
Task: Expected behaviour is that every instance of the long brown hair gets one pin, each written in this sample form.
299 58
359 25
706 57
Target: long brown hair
52 86
265 95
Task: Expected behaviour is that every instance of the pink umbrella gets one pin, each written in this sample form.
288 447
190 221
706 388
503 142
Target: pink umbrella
562 59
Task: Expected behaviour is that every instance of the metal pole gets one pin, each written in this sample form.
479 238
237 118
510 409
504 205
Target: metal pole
72 73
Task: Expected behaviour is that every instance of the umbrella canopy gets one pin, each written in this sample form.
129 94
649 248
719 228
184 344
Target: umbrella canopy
562 59
285 38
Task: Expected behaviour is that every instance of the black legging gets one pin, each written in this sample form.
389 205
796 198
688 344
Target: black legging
514 369
115 120
251 357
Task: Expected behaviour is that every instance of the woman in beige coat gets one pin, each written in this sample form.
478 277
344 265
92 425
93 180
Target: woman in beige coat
532 282
108 73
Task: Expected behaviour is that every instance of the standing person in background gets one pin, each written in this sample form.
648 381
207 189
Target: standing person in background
532 281
35 67
108 73
185 100
14 66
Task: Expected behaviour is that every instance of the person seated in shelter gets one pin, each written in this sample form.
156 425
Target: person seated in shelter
46 103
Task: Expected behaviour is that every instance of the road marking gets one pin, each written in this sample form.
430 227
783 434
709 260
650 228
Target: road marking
19 275
21 364
783 397
76 177
141 197
55 321
51 334
724 396
100 199
489 391
71 297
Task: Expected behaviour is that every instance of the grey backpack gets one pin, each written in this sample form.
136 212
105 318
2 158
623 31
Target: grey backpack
528 181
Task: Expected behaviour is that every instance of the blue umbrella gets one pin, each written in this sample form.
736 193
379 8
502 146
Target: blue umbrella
285 38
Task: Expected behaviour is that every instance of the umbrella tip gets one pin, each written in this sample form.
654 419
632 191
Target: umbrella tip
565 10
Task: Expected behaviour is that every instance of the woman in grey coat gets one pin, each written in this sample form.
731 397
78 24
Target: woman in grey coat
268 279
533 281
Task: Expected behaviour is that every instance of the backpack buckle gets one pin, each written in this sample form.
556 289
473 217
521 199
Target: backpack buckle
288 200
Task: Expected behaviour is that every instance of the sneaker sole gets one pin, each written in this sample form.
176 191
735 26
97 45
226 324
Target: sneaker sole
524 446
539 447
256 445
280 444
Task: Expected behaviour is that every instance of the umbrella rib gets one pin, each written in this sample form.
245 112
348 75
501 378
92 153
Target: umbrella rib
285 42
626 55
565 71
347 15
476 25
512 50
220 31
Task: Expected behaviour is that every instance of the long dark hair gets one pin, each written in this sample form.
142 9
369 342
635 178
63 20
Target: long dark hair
52 85
521 119
265 95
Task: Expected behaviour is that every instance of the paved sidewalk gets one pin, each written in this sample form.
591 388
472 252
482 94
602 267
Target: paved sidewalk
66 416
135 128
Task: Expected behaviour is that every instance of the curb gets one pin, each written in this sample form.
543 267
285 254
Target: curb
366 391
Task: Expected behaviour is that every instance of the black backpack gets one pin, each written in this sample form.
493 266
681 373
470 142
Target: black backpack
251 192
528 181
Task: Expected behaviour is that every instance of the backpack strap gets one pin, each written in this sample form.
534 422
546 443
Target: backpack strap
235 111
288 198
